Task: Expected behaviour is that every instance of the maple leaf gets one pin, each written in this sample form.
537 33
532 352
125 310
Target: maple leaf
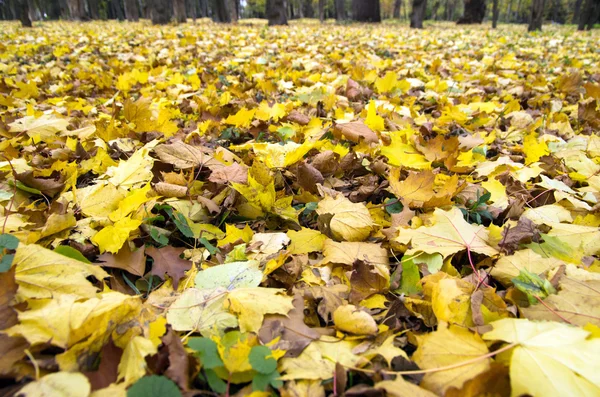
167 261
549 357
347 221
449 234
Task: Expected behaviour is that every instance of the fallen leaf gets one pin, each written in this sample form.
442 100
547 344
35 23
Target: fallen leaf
167 261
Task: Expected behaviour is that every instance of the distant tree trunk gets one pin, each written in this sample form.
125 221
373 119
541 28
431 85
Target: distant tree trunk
233 8
203 11
366 10
576 12
221 11
508 10
160 11
131 11
307 9
340 10
418 14
94 9
434 9
191 7
76 9
495 13
474 12
321 10
179 11
118 11
589 15
276 12
397 5
537 15
24 13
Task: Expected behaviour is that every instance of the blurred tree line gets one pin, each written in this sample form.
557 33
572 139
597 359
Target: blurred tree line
584 13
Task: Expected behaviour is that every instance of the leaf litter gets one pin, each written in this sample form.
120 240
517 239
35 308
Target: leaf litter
359 209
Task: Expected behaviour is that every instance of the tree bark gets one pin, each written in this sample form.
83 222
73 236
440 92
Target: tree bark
131 11
276 11
340 10
321 10
495 13
221 11
474 12
24 13
179 11
418 14
203 9
576 12
307 9
76 9
589 15
397 6
366 10
537 15
94 9
160 11
233 9
118 11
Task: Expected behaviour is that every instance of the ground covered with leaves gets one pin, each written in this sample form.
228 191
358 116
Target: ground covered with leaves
305 210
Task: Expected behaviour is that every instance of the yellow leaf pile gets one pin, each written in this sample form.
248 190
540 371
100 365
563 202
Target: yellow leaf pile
243 209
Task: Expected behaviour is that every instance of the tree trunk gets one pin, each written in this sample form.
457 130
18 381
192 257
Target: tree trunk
131 11
221 11
495 15
397 5
418 14
308 10
24 13
508 10
76 9
94 9
434 9
474 12
340 10
576 12
192 9
276 11
179 11
366 10
203 9
321 10
160 11
118 11
589 15
537 15
233 8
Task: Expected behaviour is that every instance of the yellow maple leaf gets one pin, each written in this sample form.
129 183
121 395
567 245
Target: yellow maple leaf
387 83
242 118
133 364
373 120
251 305
111 238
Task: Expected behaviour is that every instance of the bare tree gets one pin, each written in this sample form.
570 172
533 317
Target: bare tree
537 15
418 14
160 11
366 10
474 12
276 11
